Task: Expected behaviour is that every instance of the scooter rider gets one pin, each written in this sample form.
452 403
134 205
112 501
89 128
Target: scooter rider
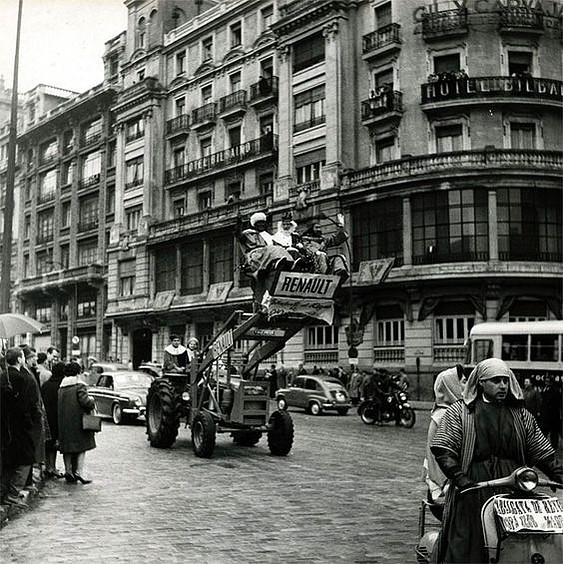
484 436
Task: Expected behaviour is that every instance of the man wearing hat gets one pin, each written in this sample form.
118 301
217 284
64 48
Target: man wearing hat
175 356
262 254
485 435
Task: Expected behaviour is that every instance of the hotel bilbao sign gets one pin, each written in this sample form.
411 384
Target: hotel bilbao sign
491 85
552 10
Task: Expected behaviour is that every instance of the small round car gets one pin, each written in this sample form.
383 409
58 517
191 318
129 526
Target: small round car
315 394
121 395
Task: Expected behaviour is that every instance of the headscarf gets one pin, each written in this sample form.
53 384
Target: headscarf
256 217
487 369
447 388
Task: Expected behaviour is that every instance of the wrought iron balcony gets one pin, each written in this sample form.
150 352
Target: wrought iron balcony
228 157
89 181
47 159
235 100
87 225
313 122
264 88
521 18
179 124
381 106
90 138
448 22
435 258
60 278
204 114
381 39
43 197
470 88
133 183
531 254
44 237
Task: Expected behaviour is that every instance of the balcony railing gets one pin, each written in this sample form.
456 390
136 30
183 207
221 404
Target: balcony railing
44 237
89 181
389 354
438 258
321 357
521 17
204 113
384 103
463 87
87 225
56 277
435 24
486 159
46 159
90 138
531 255
167 229
297 6
222 159
150 83
449 353
313 122
134 135
177 124
388 35
235 100
264 88
43 197
133 183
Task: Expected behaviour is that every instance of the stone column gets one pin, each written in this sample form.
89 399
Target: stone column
407 232
285 125
333 106
55 310
148 163
119 174
100 309
493 226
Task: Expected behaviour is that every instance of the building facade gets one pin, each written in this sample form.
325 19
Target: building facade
66 210
434 128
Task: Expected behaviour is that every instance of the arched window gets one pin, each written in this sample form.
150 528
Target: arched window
153 28
141 33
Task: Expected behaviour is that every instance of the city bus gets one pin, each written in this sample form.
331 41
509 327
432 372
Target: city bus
532 349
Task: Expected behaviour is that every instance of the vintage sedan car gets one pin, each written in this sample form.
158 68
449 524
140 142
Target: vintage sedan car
121 395
315 394
92 375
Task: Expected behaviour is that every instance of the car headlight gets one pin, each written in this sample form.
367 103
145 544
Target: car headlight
403 396
527 480
185 396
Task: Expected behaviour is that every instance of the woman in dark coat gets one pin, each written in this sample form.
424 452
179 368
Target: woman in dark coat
73 402
50 392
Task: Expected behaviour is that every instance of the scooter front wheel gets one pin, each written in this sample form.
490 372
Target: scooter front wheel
368 415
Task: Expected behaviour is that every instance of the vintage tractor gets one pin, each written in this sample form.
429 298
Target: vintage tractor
221 393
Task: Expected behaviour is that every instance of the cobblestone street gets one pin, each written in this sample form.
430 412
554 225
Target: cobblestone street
346 493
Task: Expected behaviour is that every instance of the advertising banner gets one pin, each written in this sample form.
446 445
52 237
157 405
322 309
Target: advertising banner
544 515
304 285
319 309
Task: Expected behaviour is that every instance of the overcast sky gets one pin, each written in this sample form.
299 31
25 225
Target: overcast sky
62 41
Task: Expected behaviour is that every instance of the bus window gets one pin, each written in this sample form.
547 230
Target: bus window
514 347
544 348
482 349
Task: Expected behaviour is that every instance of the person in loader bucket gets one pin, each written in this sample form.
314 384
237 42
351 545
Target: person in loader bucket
175 356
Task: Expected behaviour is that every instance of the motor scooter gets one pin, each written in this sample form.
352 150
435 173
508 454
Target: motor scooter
392 407
523 526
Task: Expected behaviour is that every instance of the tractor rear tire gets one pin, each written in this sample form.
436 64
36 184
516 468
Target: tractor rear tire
203 435
248 439
162 416
280 437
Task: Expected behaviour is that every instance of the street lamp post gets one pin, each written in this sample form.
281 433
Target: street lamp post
10 177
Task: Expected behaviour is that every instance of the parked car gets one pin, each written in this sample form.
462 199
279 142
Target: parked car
315 394
96 369
121 395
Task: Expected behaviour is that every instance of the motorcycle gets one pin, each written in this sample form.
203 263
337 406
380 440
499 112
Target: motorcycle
392 406
518 527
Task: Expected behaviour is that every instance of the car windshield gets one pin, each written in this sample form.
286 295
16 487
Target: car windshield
132 380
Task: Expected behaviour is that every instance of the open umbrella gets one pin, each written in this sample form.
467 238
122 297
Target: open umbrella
15 323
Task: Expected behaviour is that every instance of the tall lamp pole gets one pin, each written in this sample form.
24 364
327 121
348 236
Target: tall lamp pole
10 178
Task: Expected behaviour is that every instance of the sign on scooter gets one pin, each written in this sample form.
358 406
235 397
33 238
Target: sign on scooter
545 515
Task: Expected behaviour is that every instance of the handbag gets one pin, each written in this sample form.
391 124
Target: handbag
91 422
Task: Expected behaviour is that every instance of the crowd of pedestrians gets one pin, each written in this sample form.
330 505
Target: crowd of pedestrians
42 401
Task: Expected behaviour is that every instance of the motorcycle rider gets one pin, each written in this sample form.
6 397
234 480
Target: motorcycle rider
484 436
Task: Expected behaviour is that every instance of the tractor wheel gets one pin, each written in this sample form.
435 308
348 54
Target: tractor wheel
280 437
162 416
203 435
247 439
